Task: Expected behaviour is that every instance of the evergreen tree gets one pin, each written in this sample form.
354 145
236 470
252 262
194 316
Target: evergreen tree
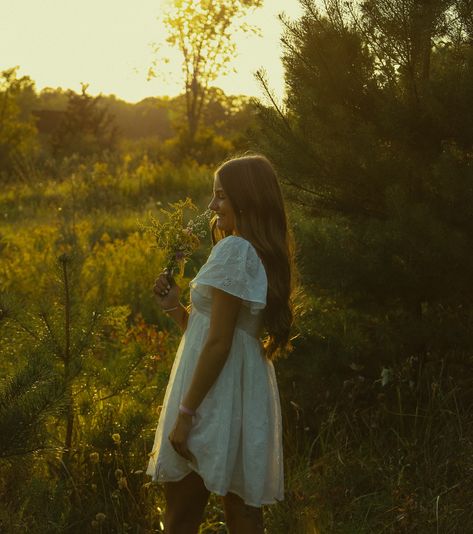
373 142
351 146
28 399
87 128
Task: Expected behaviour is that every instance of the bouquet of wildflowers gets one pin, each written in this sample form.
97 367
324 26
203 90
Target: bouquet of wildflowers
175 238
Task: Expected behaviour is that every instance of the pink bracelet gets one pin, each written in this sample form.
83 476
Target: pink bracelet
185 410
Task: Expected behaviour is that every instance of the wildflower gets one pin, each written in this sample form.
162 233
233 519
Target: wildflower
95 524
122 483
118 473
94 457
100 517
176 239
116 439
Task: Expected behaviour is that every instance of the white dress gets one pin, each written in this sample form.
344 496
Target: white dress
236 437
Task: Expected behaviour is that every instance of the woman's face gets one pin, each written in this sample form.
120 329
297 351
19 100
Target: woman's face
220 204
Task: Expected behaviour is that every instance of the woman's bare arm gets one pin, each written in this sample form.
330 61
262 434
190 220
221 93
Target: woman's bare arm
180 316
167 295
224 314
212 358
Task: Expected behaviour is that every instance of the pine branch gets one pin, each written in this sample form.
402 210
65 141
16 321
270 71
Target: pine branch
27 399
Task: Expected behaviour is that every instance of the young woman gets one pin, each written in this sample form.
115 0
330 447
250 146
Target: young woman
220 426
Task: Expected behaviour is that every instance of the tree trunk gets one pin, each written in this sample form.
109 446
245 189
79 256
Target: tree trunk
423 21
192 110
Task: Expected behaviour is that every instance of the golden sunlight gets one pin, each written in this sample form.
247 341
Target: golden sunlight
61 43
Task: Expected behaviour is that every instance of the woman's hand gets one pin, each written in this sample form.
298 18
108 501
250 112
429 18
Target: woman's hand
179 434
166 291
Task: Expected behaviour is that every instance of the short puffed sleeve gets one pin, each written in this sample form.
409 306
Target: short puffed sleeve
234 267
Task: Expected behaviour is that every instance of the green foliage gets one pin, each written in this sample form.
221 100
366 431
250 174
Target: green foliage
203 33
71 359
28 399
17 126
134 182
149 118
86 128
374 146
52 133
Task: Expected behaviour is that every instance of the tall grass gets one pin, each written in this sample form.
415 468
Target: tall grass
399 464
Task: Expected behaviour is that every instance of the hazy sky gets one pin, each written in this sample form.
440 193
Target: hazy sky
106 43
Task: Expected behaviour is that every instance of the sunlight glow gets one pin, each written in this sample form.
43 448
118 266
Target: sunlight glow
61 43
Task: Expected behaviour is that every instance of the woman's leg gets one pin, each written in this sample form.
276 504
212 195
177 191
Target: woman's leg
185 504
241 518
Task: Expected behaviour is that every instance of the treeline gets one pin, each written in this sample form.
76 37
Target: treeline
42 128
152 117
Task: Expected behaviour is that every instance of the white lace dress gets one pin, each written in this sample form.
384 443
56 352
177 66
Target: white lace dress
236 438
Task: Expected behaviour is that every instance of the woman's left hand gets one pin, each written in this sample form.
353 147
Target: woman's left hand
179 434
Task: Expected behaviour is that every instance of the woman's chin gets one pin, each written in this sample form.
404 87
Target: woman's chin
224 227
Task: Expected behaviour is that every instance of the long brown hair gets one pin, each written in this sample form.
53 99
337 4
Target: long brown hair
252 187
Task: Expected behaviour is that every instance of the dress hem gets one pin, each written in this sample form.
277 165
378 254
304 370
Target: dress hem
218 492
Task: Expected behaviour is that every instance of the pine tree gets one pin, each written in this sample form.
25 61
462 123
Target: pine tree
374 145
87 127
28 399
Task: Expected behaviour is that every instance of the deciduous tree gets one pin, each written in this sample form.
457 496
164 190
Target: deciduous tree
203 31
17 126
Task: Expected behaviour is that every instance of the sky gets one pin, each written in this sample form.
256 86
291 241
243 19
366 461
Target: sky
107 44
